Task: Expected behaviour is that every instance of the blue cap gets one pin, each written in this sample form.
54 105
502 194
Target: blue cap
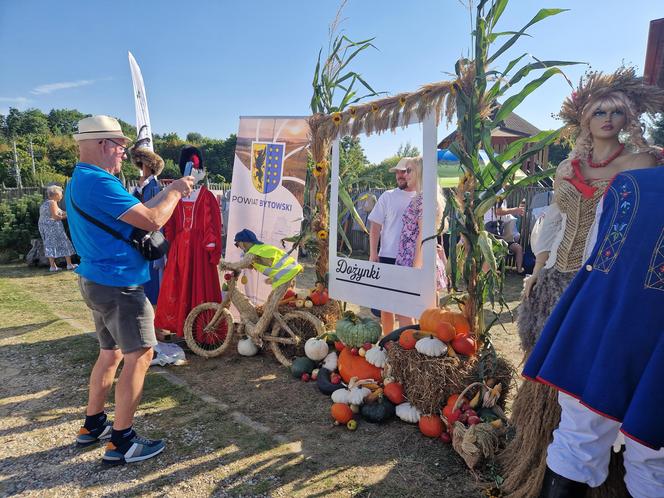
247 235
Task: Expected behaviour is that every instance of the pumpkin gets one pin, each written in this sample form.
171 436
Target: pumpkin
353 395
407 339
376 356
430 425
354 331
408 413
351 365
341 413
302 365
330 361
324 383
438 321
431 346
319 295
464 345
394 392
246 347
379 411
316 349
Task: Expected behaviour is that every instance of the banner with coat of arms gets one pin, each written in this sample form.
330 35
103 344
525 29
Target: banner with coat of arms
267 190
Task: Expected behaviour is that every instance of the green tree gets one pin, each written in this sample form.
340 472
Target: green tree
64 121
657 131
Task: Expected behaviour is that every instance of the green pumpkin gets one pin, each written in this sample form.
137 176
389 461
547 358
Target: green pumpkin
302 365
354 331
379 411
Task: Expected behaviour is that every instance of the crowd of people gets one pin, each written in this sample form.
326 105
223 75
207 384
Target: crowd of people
598 274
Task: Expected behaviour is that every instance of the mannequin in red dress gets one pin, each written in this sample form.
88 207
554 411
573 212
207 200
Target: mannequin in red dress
194 232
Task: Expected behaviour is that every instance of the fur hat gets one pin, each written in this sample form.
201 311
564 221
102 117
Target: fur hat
142 156
596 85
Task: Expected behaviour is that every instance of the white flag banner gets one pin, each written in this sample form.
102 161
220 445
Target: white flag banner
143 128
267 192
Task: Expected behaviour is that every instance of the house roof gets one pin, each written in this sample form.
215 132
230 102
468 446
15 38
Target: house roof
512 126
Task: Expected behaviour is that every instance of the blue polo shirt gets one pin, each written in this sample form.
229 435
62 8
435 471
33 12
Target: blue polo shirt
104 259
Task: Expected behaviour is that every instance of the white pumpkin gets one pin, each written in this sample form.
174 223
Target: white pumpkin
316 349
354 394
408 413
431 346
246 347
376 356
330 361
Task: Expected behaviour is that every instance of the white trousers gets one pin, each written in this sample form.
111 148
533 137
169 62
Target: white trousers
581 451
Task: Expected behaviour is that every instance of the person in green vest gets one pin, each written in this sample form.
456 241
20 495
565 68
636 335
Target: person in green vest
279 267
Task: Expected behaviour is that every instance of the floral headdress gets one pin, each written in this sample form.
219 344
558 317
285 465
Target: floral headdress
595 85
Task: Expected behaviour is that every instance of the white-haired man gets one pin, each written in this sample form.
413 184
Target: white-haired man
111 274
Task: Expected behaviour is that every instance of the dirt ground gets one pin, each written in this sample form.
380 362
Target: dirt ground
256 432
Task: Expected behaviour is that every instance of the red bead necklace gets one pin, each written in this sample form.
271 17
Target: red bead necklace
607 161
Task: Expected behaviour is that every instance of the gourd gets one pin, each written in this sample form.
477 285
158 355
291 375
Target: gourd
431 346
324 383
302 365
351 365
464 345
330 361
353 395
407 339
246 347
341 413
316 349
354 331
376 356
394 392
408 413
430 425
379 411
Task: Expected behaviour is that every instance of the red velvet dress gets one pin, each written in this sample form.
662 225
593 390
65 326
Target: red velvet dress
190 277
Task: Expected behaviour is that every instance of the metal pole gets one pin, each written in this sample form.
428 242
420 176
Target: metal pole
17 170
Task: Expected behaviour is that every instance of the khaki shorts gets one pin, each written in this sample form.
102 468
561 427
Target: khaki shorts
123 316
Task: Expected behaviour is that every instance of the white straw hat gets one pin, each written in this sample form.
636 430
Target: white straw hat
96 127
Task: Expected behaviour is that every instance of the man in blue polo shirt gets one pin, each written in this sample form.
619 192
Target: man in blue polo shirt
111 277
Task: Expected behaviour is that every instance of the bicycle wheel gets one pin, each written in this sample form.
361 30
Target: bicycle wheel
287 344
208 343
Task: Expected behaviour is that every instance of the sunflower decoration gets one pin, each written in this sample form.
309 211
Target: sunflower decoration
320 168
336 118
322 234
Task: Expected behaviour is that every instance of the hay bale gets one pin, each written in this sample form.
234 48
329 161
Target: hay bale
428 381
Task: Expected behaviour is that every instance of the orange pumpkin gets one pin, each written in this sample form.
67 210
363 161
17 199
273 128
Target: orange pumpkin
407 339
461 325
394 392
341 413
351 365
464 345
431 425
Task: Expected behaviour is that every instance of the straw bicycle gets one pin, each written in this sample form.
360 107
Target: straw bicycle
209 327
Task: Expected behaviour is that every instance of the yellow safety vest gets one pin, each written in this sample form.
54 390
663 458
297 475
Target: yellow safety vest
283 267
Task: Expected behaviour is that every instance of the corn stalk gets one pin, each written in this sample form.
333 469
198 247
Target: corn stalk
477 261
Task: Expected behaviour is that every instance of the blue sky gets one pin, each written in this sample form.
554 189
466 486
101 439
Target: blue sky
205 63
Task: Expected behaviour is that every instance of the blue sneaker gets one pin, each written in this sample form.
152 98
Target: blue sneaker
87 437
135 449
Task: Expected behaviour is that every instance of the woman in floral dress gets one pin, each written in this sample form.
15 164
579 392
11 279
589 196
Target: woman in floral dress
52 231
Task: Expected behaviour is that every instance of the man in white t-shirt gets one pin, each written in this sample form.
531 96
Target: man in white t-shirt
386 224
